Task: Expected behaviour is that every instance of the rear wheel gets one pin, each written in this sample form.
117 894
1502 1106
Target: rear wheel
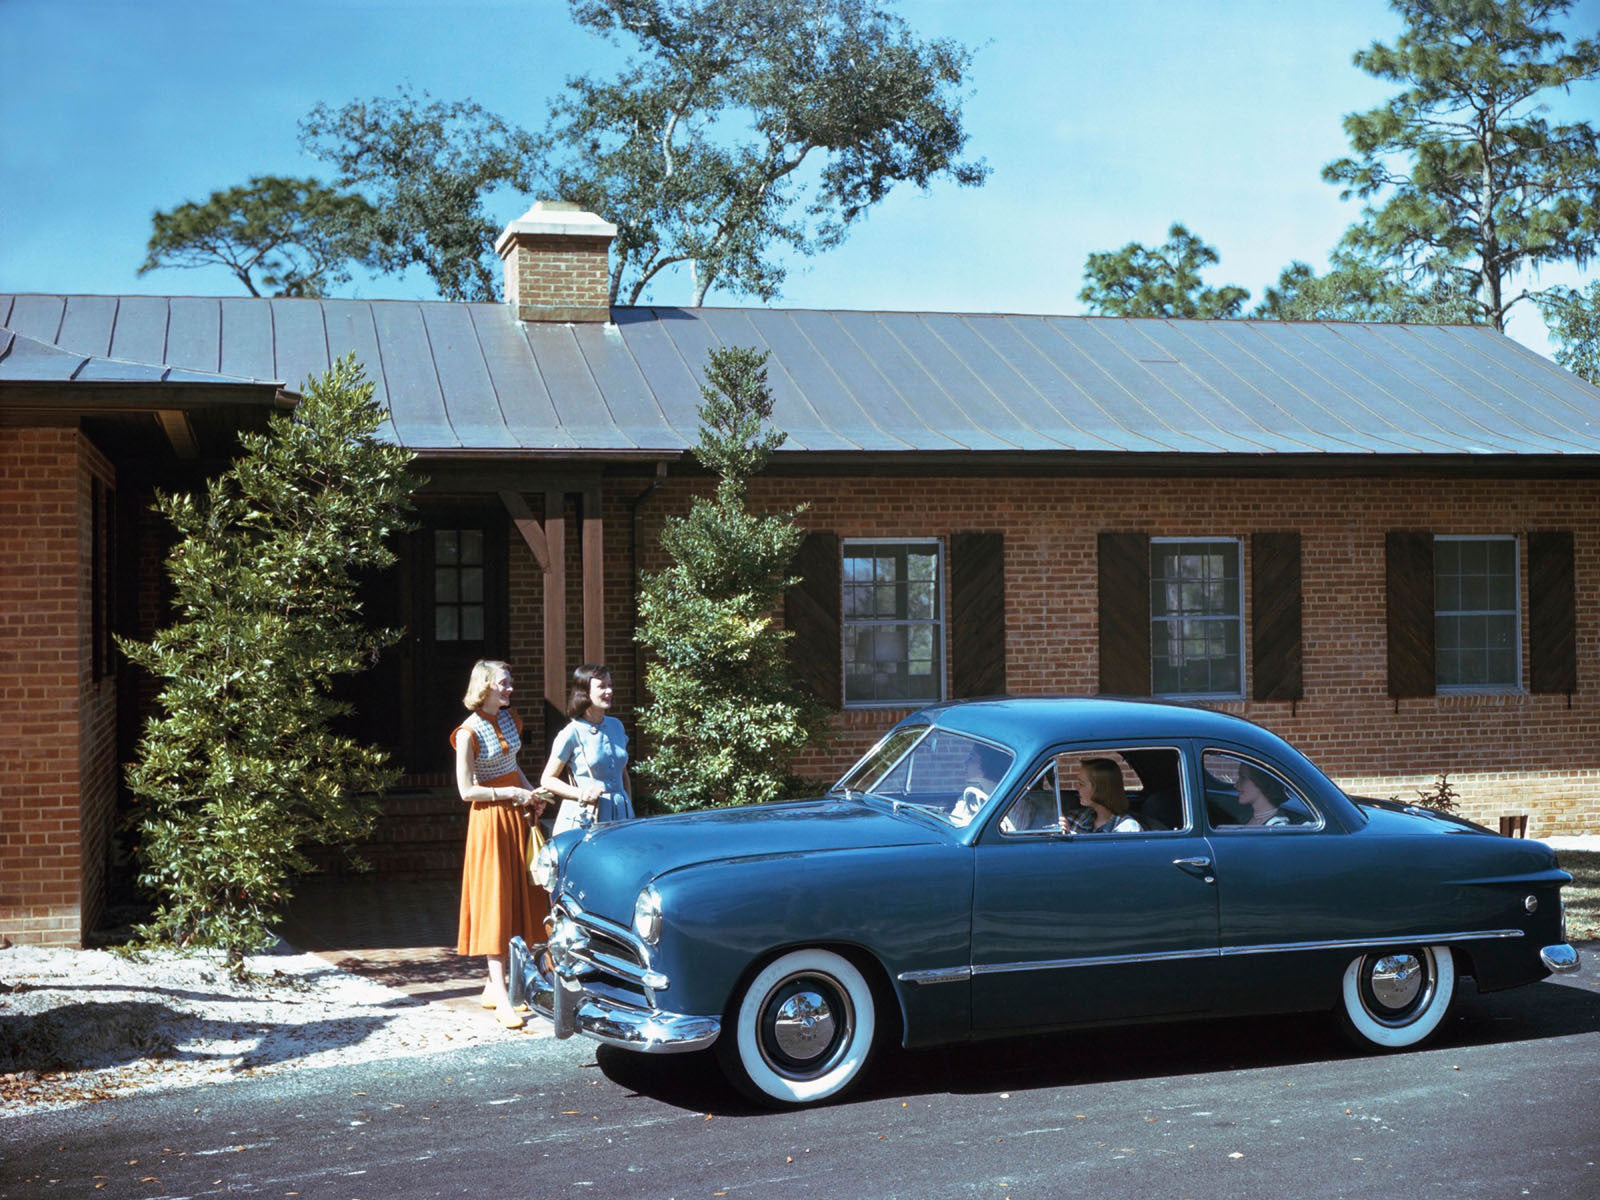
802 1030
1397 998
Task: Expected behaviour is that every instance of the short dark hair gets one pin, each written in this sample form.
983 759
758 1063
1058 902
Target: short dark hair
1271 786
578 700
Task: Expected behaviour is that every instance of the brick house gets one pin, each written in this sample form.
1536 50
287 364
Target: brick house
1378 540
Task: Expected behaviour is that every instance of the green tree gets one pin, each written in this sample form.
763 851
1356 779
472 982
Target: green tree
1467 181
1573 317
1138 281
742 129
241 769
749 125
428 167
724 715
1354 290
291 237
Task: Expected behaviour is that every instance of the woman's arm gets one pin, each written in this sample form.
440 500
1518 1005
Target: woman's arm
585 791
473 791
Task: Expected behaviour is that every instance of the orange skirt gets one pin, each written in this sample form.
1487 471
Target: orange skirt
498 900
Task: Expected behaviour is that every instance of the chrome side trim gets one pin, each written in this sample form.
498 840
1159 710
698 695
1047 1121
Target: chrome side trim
1105 960
1559 958
936 975
1119 960
1425 939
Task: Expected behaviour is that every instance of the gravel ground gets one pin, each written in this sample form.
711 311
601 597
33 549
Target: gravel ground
78 1026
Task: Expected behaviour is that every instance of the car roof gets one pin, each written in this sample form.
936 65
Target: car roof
1027 722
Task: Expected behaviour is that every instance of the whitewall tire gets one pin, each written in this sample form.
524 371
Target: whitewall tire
1397 998
802 1031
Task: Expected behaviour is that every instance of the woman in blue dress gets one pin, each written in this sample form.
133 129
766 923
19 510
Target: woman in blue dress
592 751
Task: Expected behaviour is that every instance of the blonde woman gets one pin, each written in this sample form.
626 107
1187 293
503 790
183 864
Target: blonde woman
497 900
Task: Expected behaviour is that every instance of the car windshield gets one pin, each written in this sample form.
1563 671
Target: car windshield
946 773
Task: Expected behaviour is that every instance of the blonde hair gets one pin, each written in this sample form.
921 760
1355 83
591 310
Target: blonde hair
481 679
1105 785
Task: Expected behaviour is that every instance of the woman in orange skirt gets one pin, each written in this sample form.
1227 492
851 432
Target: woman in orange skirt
498 901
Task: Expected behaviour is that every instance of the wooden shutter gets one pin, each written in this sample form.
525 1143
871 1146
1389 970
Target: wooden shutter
1552 614
1125 614
811 611
977 614
1275 616
1408 575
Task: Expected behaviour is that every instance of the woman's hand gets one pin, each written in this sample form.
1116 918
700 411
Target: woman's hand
590 791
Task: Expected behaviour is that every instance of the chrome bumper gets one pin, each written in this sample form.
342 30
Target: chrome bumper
1560 958
549 979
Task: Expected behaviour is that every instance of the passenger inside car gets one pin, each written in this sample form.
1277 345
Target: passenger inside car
1101 788
1263 795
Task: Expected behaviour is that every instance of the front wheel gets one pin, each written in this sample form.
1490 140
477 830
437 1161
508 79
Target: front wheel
1397 998
802 1030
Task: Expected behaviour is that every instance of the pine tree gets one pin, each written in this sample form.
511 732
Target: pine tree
1466 180
242 769
725 715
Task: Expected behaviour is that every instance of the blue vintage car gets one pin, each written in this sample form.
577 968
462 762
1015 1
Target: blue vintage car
942 891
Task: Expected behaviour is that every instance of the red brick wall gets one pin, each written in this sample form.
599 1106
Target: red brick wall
1511 753
57 768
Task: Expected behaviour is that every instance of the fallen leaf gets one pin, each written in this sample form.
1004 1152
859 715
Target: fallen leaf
1235 1154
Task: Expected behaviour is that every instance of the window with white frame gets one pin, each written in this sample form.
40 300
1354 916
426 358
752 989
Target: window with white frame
893 622
1477 644
1196 617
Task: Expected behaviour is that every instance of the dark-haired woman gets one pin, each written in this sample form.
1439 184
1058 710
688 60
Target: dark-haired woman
497 900
1262 795
592 751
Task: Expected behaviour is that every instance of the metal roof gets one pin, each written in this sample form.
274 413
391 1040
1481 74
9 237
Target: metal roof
26 360
470 378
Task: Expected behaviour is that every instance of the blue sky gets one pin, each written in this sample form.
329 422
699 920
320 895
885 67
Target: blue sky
1103 123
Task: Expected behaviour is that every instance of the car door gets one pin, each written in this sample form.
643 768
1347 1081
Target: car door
1070 929
1289 890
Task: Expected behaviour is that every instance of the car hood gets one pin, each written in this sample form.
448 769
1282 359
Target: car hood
606 870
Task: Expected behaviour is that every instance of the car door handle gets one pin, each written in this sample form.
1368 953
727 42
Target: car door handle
1199 867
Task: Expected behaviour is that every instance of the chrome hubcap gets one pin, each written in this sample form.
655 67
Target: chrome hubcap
1396 980
803 1026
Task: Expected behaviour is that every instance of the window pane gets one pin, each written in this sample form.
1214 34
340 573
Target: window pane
472 546
472 623
472 585
446 546
1195 609
446 585
892 642
1475 598
446 624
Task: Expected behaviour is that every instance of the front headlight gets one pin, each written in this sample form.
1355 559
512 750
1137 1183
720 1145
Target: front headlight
547 867
647 914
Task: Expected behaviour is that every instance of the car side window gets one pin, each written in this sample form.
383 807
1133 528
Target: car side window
1118 789
1244 794
1037 811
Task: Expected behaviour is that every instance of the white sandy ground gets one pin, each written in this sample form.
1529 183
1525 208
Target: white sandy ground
79 1026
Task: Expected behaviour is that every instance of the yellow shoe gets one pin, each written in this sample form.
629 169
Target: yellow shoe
508 1016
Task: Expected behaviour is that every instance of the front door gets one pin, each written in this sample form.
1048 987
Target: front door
448 594
1071 929
461 618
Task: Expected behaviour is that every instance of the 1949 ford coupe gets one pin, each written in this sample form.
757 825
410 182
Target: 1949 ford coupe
941 891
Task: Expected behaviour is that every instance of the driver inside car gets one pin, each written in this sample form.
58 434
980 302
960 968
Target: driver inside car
984 767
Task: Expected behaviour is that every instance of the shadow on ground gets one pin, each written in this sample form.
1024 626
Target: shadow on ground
92 1036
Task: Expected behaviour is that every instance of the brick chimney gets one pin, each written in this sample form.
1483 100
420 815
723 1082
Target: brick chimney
558 263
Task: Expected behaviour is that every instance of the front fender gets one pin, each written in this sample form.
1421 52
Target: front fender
907 908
